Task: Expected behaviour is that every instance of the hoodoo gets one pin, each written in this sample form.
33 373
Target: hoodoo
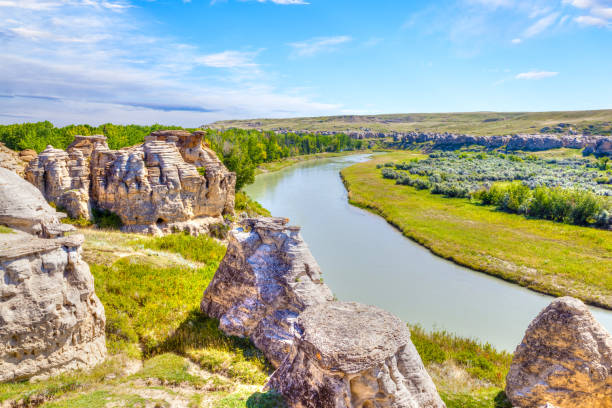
50 317
351 355
565 360
171 182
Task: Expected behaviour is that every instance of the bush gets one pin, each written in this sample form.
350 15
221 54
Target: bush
570 206
106 219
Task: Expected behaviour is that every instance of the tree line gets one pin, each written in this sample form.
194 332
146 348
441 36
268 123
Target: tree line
240 150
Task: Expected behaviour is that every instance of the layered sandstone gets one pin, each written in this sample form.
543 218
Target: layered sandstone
171 182
351 355
565 360
23 207
11 160
51 320
266 279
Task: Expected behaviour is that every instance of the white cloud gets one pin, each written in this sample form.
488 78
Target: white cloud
600 12
318 45
541 25
228 59
536 75
516 41
591 21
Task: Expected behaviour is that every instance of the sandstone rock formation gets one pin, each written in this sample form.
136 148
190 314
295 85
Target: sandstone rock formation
351 355
50 317
268 276
10 160
23 207
529 142
565 360
154 187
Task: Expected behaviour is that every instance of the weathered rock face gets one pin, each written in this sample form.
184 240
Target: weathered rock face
268 276
63 178
351 355
565 360
23 207
529 142
153 187
50 317
11 160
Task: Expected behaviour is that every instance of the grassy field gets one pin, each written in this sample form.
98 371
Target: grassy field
549 257
477 123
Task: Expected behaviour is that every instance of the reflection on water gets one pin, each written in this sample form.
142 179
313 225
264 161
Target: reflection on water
365 259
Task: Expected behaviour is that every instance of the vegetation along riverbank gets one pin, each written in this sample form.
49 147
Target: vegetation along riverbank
546 256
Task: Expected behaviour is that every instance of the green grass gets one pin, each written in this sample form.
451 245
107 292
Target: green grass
244 203
5 230
549 257
478 123
201 249
445 355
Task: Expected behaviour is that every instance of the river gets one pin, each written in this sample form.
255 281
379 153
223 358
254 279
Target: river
365 259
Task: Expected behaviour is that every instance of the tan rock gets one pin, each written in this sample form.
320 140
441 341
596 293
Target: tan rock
351 355
155 187
50 317
267 277
564 360
23 207
63 178
28 155
10 160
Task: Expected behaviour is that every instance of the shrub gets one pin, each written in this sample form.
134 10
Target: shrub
106 219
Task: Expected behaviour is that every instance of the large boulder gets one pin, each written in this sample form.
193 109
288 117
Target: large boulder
350 355
266 279
565 360
50 317
23 207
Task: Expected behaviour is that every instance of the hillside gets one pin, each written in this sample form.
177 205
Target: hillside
477 123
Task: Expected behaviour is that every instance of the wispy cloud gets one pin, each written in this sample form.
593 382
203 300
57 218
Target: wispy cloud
599 12
229 59
541 25
318 45
536 75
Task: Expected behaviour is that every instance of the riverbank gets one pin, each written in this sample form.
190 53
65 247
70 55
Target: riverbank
544 256
291 161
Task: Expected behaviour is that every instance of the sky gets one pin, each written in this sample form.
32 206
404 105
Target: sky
192 62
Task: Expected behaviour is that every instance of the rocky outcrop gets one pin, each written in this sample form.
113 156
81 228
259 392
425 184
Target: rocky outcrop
51 320
266 279
171 182
63 178
23 207
565 360
10 160
351 355
328 354
527 142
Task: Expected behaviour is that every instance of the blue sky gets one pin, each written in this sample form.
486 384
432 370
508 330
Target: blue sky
192 62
